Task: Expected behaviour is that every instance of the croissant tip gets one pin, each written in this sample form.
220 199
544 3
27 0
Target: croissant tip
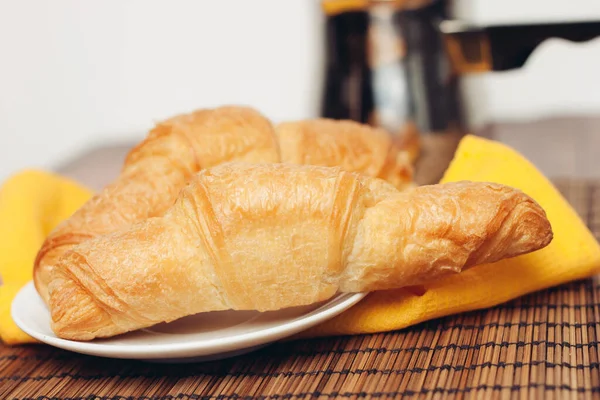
74 314
535 227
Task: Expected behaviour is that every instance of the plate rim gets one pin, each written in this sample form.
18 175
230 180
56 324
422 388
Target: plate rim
191 348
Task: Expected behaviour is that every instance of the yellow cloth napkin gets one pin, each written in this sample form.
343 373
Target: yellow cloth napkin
33 202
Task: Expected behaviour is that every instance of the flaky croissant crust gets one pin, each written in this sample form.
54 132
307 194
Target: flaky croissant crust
269 236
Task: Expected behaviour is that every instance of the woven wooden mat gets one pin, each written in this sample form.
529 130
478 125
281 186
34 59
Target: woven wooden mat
541 346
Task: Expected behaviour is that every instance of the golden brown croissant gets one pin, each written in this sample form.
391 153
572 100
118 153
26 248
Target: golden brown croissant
159 167
266 237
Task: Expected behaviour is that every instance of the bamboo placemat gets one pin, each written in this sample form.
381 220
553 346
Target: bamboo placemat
541 346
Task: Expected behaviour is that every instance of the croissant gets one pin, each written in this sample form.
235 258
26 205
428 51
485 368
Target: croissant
270 236
160 166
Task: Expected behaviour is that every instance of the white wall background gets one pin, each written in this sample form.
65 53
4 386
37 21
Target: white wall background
77 74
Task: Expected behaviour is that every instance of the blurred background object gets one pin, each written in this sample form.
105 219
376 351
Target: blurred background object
399 64
76 76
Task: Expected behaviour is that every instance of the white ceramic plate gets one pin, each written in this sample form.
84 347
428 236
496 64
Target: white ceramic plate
202 337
